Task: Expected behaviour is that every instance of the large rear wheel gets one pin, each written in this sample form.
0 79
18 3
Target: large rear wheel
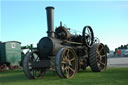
98 58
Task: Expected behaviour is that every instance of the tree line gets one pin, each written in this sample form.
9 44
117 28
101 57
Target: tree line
122 47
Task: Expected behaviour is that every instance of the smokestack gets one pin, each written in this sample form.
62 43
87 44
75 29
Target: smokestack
50 21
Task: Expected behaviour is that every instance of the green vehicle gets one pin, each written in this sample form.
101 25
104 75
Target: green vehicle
10 54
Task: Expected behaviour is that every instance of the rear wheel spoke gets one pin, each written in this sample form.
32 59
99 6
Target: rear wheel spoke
67 73
72 69
63 62
102 56
102 48
100 62
67 54
72 59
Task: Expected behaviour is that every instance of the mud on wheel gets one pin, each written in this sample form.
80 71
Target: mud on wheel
29 71
98 58
66 63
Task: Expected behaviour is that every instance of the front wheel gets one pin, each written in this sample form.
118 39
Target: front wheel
29 71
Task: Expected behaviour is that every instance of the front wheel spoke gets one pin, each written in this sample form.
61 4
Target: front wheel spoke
33 58
33 72
29 64
37 59
30 67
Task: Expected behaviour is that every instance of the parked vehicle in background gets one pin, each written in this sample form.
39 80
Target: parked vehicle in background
126 53
10 54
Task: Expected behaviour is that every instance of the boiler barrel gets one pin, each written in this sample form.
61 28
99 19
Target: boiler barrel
48 47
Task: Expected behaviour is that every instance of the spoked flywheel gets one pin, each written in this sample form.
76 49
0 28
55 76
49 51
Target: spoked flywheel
66 63
29 71
98 58
88 36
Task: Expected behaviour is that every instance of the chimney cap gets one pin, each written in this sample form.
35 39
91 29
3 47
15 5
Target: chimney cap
49 7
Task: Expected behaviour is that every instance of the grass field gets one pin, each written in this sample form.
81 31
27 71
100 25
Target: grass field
113 76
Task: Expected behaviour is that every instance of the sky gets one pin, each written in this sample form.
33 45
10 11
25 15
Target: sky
25 20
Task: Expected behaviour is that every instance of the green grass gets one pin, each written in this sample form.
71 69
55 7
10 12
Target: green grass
112 76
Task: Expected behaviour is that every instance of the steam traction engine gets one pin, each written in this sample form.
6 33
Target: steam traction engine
65 52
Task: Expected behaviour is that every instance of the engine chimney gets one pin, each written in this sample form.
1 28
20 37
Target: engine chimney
50 21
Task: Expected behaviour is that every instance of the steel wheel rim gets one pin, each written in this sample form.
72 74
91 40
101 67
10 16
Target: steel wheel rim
68 63
36 73
101 57
32 72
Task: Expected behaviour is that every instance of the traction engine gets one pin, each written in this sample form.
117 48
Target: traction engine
65 52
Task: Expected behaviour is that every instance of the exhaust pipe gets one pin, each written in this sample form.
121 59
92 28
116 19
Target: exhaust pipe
50 21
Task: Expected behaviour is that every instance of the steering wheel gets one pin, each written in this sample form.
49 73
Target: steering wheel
88 36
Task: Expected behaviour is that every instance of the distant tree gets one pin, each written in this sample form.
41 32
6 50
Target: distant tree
107 48
119 47
122 47
125 46
115 50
